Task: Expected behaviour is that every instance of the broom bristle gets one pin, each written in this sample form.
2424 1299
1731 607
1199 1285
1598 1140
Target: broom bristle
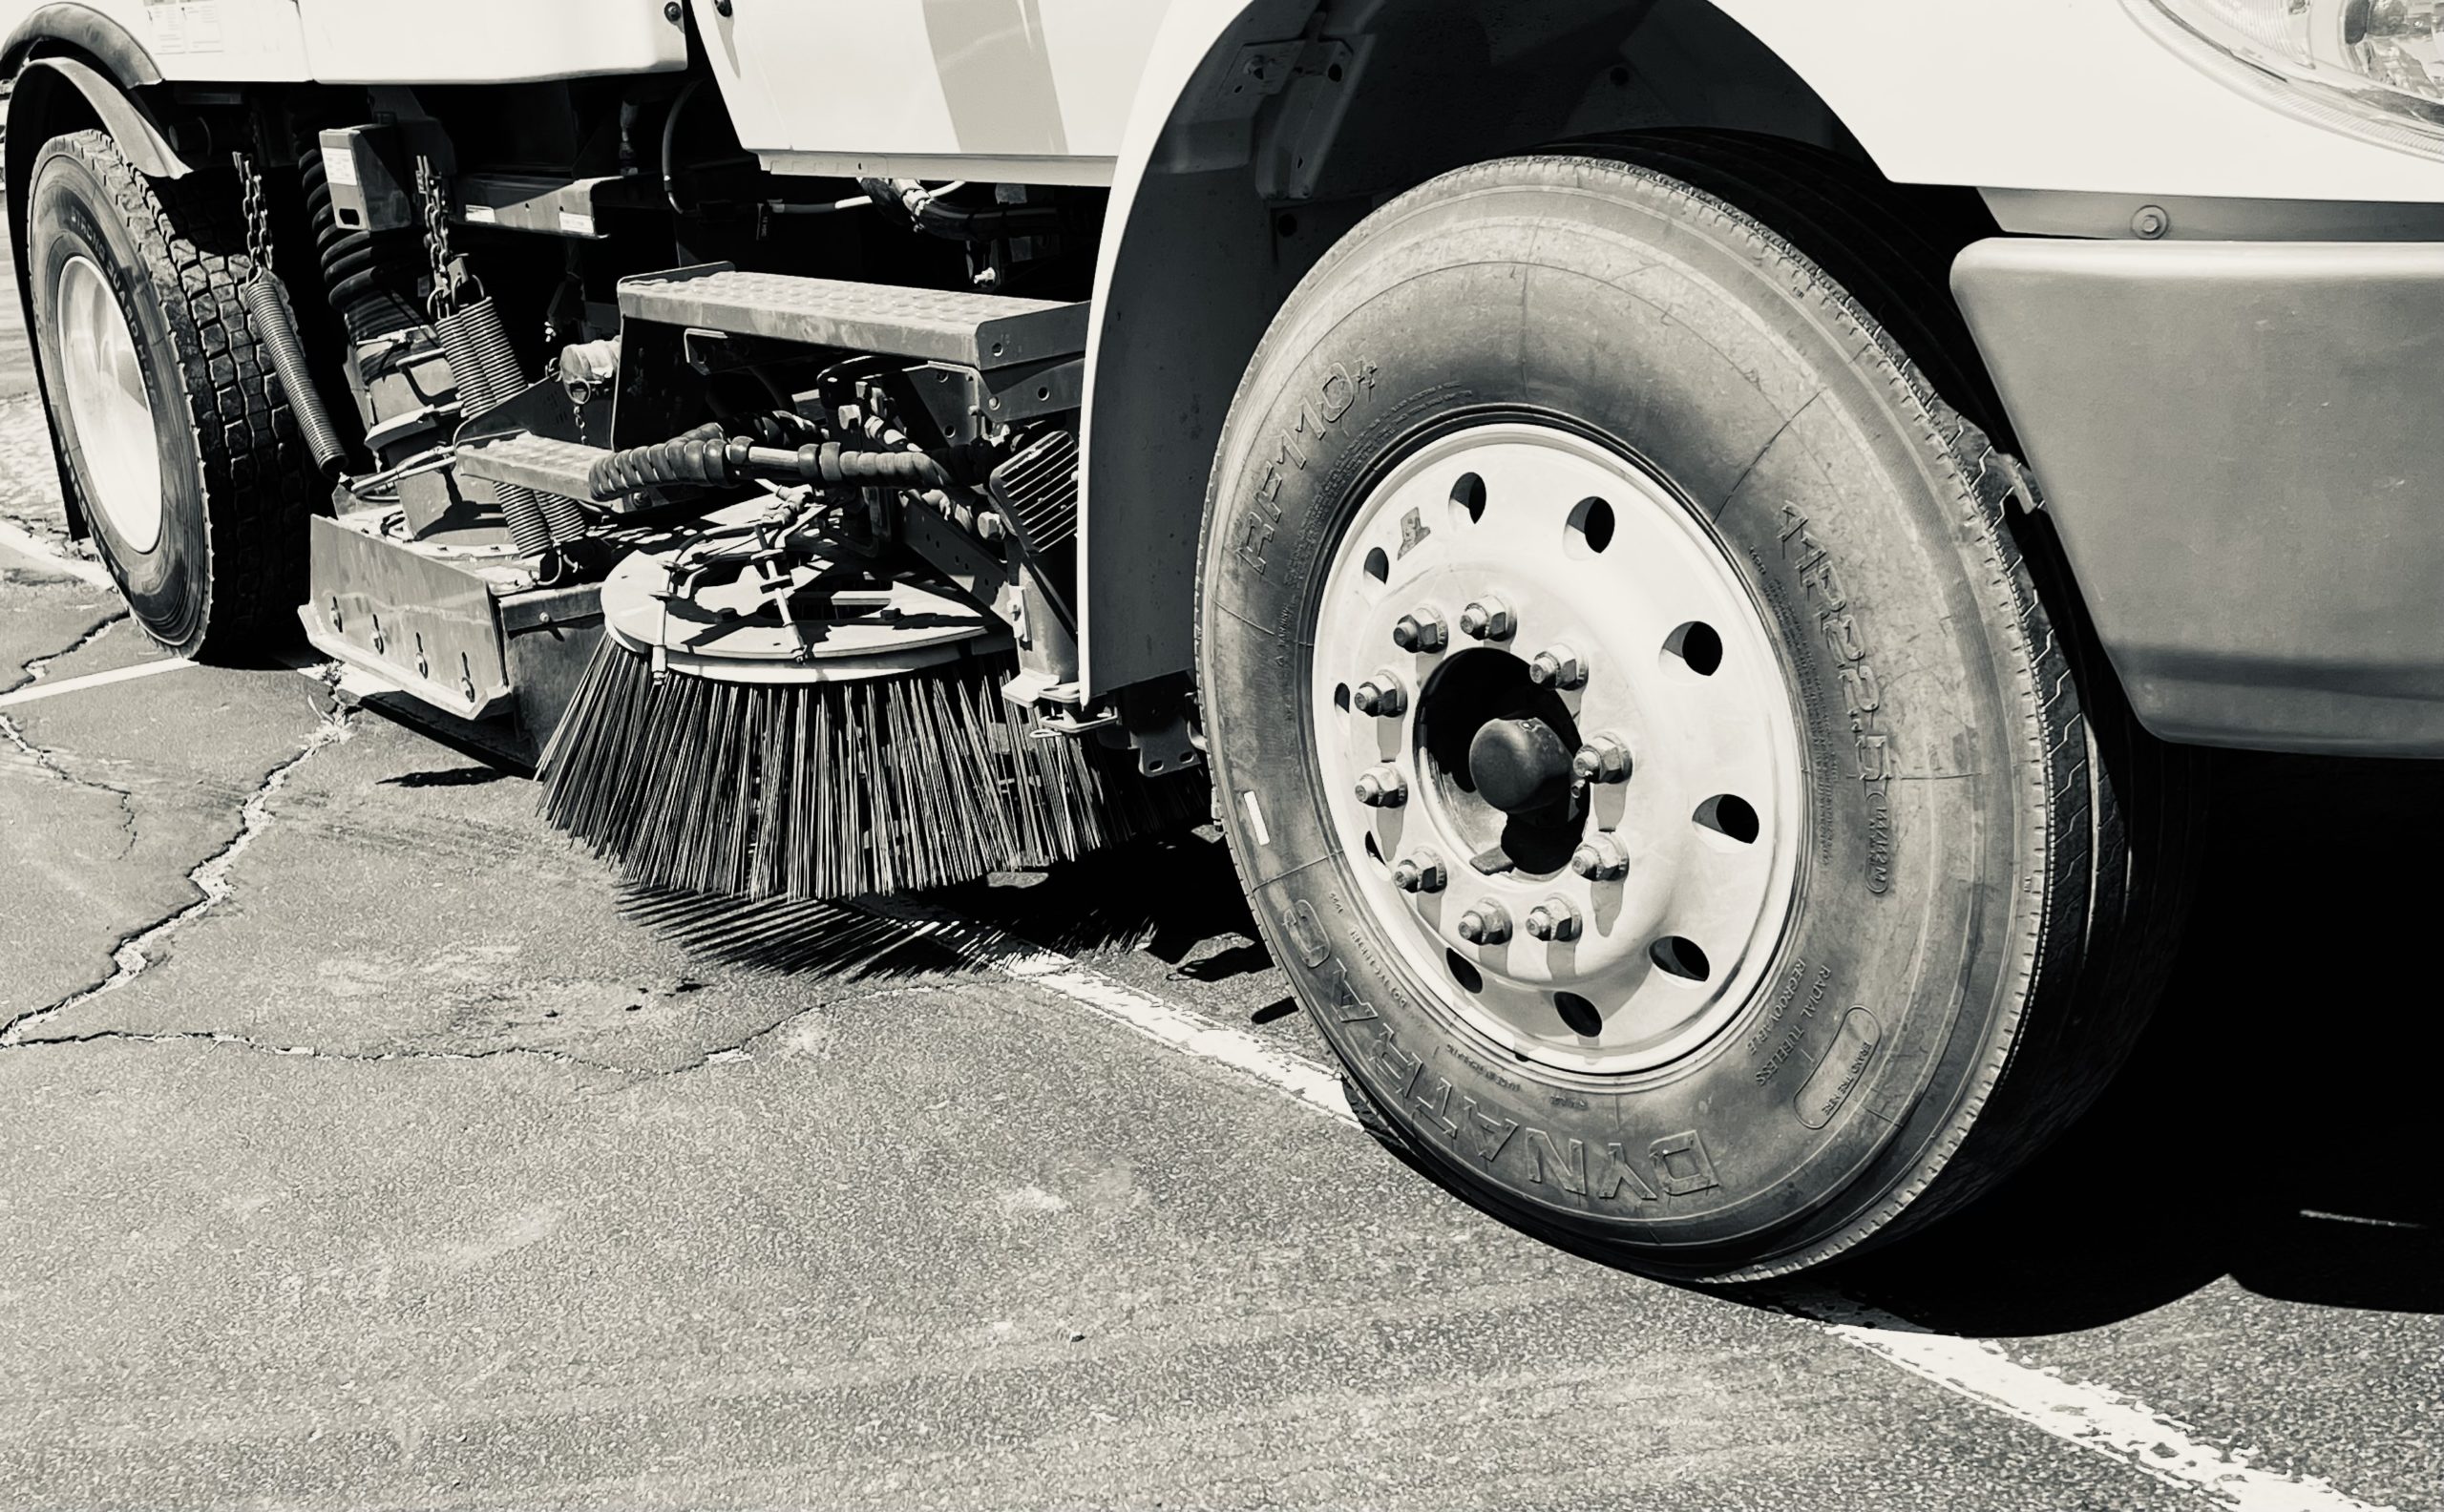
833 790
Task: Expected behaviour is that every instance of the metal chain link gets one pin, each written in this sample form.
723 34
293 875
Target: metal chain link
258 215
437 236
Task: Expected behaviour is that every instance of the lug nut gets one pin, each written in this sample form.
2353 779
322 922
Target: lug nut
1600 860
1487 618
1420 630
1557 667
1553 919
1484 924
1421 873
1380 695
1382 788
1603 759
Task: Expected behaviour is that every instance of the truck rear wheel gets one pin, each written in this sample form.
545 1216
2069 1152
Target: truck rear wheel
1636 729
178 445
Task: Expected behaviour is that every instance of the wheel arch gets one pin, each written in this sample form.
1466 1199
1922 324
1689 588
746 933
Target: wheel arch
1264 130
73 69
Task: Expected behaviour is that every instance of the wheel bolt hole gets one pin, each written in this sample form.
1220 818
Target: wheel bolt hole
1698 647
1680 957
1590 527
1470 495
1378 565
1341 698
1373 850
1579 1014
1464 971
1729 815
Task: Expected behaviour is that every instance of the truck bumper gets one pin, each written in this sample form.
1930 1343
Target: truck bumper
2241 445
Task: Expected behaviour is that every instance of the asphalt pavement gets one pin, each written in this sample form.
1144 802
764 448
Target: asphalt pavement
366 1148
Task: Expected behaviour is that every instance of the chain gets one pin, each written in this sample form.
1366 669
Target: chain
436 236
250 184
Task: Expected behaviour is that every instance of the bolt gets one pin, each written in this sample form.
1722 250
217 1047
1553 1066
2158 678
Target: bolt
1603 759
1422 630
1420 872
1553 919
1382 788
673 12
1382 695
1485 924
1557 667
1488 618
722 6
2150 223
1600 860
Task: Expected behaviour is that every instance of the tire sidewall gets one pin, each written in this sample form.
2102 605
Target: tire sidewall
1664 325
71 213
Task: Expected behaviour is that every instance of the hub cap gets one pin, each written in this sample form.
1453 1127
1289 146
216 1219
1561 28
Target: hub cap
1606 751
109 405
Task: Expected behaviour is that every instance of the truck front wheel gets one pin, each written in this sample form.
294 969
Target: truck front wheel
1638 733
177 443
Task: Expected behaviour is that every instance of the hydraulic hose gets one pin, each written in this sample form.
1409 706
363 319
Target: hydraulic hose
276 327
708 457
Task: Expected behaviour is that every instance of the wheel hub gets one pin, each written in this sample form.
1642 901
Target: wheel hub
109 404
1557 748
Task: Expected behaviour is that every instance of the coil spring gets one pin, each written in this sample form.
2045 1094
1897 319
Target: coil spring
267 310
486 368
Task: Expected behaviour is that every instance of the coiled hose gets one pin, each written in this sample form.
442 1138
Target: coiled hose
486 368
706 455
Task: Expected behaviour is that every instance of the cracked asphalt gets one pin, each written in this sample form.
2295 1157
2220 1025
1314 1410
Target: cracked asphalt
363 1151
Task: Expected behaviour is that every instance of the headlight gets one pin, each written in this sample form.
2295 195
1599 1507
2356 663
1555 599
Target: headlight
2373 68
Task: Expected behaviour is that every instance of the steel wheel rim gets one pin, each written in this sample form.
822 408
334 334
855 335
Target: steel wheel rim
109 404
1590 552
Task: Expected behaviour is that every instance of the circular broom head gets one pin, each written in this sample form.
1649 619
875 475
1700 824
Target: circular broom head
859 746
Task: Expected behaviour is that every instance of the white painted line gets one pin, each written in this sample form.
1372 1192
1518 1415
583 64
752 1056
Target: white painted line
2081 1413
2090 1416
25 543
36 692
1312 1086
1304 1082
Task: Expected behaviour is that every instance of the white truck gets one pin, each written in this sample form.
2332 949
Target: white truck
1689 544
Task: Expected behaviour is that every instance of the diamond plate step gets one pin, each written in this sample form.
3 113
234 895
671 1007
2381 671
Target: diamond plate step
983 331
531 461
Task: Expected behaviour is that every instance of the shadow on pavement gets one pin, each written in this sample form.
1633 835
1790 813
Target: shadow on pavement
2276 1123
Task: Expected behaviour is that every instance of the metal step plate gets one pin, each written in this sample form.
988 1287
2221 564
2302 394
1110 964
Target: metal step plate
531 461
983 331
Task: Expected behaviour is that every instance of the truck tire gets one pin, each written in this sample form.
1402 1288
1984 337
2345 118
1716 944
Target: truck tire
181 451
1638 732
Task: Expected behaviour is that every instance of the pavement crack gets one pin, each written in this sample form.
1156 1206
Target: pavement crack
35 670
300 1052
135 951
43 759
